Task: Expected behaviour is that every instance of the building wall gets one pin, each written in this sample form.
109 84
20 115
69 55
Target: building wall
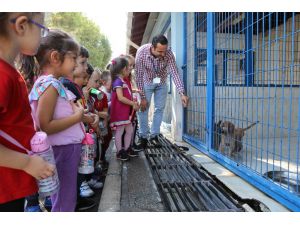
271 106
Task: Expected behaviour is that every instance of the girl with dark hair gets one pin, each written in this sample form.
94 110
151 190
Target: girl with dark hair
20 33
56 113
121 103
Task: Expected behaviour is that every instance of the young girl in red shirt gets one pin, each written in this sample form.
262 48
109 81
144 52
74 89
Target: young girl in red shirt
19 33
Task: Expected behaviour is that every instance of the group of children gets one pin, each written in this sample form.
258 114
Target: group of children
62 103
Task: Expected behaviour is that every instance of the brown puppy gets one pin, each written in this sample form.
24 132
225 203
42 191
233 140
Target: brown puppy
231 137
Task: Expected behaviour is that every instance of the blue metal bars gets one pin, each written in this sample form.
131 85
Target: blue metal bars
243 78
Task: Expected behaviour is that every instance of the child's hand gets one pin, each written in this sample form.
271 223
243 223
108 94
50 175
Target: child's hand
136 106
39 168
96 120
86 92
97 131
136 91
78 109
87 118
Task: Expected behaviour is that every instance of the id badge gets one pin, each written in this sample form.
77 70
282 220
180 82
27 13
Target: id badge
156 80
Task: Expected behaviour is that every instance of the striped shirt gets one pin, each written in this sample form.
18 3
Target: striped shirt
147 67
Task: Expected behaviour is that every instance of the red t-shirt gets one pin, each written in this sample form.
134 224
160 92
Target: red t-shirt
15 120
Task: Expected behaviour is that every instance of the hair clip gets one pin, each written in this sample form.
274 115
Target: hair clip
113 62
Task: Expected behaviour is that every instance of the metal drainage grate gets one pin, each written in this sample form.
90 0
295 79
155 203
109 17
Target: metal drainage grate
184 186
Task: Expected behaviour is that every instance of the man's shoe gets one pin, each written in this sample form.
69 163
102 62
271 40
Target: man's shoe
141 146
132 153
155 142
85 190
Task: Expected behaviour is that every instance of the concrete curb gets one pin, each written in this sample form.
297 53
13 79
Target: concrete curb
111 194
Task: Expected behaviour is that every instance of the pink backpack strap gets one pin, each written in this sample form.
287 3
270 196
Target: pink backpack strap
12 140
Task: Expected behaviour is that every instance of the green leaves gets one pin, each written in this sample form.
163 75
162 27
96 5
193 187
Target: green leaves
86 32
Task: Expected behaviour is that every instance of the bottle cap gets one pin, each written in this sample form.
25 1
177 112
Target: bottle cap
39 142
88 139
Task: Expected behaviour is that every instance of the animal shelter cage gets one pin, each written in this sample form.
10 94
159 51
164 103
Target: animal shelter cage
242 74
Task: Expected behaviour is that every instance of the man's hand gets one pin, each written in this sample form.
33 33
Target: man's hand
143 105
184 100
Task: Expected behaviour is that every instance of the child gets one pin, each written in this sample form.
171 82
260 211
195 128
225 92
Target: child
105 78
132 86
57 114
19 33
121 103
128 79
74 82
100 107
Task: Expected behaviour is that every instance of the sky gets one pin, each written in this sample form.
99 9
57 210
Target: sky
113 26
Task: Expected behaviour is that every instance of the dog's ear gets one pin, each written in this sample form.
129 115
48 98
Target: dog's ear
230 128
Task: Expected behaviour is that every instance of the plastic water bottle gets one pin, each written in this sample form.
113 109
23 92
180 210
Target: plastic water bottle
136 97
86 165
40 146
94 135
96 93
103 128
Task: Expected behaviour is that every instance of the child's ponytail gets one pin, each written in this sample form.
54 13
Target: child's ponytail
29 67
56 40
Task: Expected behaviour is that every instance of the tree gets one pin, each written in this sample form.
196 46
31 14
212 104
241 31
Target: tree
86 32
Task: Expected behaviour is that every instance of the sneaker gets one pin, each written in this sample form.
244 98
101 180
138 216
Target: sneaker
93 183
132 153
122 155
141 146
154 140
33 208
84 204
85 190
48 204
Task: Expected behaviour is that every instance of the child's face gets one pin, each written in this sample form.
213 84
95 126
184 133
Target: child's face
94 80
26 33
81 65
131 64
80 74
69 64
81 80
126 71
107 84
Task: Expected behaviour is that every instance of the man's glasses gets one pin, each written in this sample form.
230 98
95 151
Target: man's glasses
44 30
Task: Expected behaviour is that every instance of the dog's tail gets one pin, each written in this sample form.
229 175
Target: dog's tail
247 128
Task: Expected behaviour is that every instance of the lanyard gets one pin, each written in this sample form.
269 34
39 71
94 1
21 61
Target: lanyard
80 92
12 140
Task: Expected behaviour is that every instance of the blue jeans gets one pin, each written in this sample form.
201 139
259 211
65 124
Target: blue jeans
160 97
